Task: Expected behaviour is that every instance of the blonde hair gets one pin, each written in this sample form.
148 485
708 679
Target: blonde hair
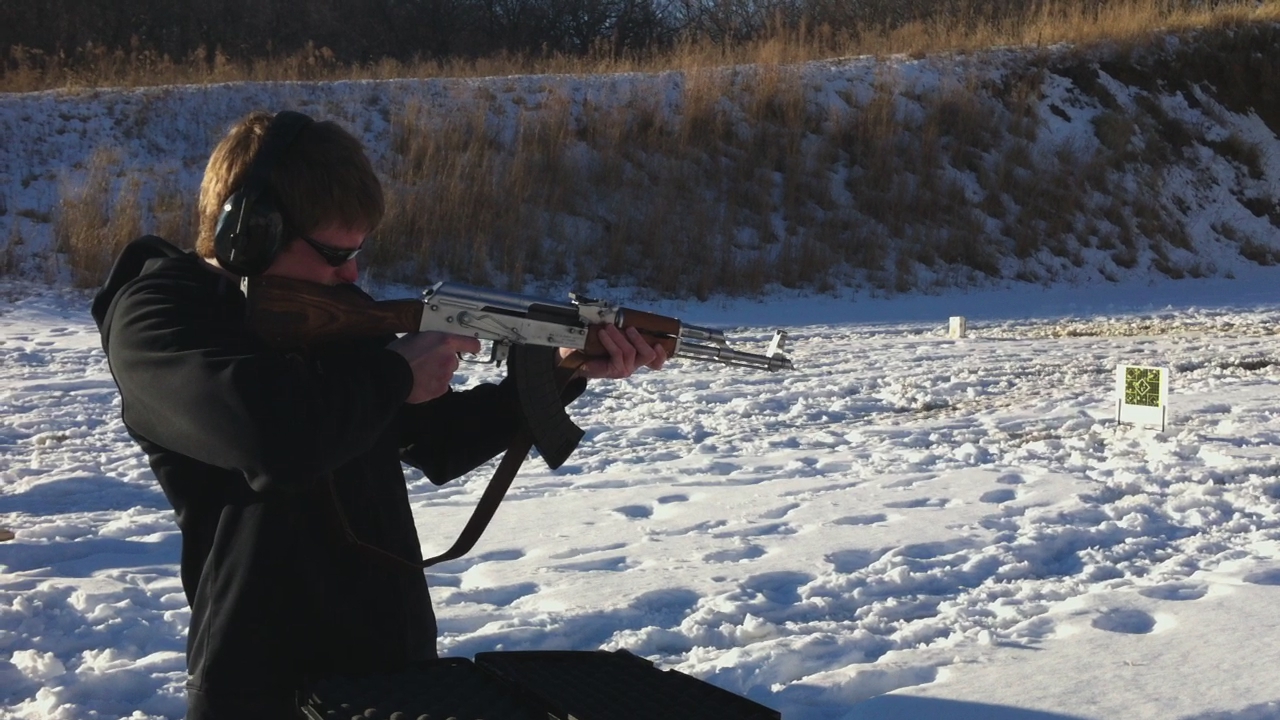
322 179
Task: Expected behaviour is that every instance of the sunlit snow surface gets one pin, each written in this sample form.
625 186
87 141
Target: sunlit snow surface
906 526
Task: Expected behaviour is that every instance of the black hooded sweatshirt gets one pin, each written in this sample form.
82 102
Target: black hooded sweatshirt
253 448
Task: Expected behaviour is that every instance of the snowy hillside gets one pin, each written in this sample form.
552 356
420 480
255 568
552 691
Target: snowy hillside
895 175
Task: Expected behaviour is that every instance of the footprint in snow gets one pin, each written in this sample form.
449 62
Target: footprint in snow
998 496
851 561
782 587
931 550
738 554
1128 621
861 519
635 512
609 564
752 531
779 512
918 503
501 555
1010 479
672 602
497 596
579 552
1264 577
1175 591
668 499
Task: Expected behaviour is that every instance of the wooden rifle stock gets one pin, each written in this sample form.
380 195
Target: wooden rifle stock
293 313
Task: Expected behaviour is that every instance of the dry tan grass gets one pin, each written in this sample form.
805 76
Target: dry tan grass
172 213
733 191
962 29
101 212
477 205
11 254
83 215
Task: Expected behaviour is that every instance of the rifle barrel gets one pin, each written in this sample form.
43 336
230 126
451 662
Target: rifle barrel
729 356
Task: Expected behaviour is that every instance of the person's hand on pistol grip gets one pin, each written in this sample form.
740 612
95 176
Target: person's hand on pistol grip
433 357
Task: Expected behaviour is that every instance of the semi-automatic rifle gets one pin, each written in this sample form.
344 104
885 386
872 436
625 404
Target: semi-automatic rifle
526 333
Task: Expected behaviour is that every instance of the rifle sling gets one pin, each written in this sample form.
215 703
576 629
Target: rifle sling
476 525
493 494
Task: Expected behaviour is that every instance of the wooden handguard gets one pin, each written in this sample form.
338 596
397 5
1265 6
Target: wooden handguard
295 313
656 330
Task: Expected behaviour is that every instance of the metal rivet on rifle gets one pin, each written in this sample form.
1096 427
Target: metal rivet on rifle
449 319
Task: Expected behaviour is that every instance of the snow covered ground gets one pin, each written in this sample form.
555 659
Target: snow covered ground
907 526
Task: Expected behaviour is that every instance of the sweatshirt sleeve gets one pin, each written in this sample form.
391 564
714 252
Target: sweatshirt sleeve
459 431
194 381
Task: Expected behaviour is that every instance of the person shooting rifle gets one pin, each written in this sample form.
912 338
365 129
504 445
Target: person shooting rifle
282 458
543 341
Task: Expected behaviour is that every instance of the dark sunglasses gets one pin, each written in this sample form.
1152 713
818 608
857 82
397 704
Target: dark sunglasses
332 255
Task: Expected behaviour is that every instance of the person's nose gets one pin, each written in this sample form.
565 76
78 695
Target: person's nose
348 272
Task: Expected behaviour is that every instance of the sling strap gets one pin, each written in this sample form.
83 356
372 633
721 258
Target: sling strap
485 509
476 525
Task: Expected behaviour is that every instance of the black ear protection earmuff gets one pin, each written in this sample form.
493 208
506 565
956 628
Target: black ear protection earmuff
251 229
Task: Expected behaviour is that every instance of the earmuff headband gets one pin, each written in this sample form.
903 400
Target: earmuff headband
251 230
